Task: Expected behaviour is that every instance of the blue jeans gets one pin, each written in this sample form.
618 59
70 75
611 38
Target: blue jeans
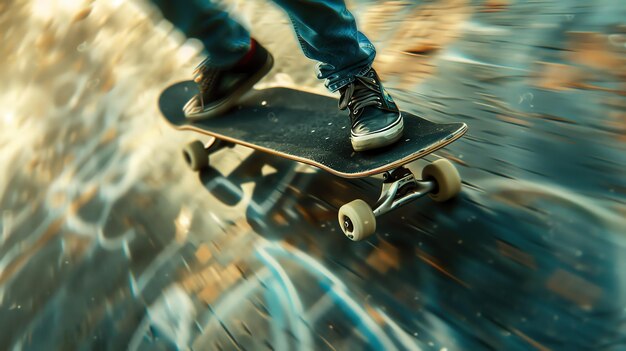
325 29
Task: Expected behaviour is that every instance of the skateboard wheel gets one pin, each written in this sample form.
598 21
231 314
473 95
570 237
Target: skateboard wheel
195 155
447 178
357 220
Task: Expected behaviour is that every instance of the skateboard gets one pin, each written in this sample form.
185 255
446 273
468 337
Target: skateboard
309 128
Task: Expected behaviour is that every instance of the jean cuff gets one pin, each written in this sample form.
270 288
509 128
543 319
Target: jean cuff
335 84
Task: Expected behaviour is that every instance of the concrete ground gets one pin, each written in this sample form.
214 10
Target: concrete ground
108 241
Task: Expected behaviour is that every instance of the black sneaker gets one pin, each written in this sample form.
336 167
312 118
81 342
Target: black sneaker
221 88
376 120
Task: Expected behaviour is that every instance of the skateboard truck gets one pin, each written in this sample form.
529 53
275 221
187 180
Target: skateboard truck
216 144
399 188
440 181
196 153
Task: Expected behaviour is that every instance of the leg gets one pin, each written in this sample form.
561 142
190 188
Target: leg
327 33
225 40
234 62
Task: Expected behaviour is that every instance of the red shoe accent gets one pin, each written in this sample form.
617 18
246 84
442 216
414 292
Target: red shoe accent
248 56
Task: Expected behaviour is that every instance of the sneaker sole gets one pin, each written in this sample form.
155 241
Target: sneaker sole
229 102
379 139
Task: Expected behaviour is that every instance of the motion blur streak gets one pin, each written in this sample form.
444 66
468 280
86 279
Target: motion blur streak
107 241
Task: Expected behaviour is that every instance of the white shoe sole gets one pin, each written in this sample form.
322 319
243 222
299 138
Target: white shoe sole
379 139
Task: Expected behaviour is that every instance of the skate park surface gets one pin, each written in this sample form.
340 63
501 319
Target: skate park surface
108 241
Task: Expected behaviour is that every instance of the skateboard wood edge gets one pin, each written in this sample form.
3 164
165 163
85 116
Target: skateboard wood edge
375 171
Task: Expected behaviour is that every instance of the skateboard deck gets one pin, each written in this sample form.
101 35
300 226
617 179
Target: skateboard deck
308 128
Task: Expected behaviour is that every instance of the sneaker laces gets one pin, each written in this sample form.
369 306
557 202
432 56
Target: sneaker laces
363 92
205 78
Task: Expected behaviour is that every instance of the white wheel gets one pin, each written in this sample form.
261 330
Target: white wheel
357 220
447 178
195 155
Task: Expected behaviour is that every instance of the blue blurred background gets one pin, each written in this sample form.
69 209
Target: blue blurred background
108 242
